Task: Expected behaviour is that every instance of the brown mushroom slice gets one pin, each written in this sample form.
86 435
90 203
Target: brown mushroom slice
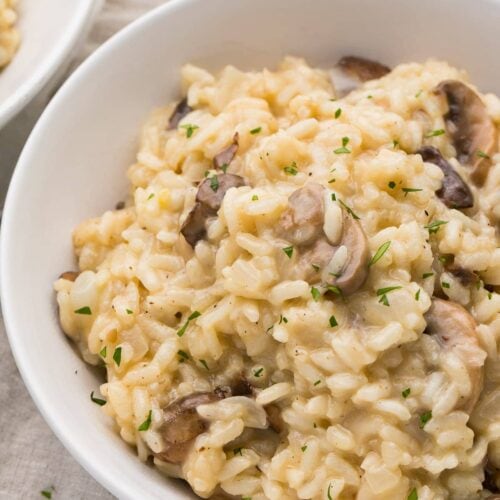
454 192
465 276
455 331
69 275
302 222
182 424
208 202
226 156
471 129
354 271
351 71
181 110
314 260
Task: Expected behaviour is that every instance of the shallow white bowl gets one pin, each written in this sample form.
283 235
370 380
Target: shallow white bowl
49 29
73 165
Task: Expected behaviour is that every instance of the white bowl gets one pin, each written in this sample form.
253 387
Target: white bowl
74 163
49 29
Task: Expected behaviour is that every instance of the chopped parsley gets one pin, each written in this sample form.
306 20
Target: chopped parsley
258 373
490 295
97 401
117 356
288 251
413 494
83 310
183 329
338 112
427 275
204 363
331 181
224 167
103 351
411 190
435 133
183 355
214 183
395 143
444 284
129 311
335 289
152 195
482 154
255 197
419 93
333 321
417 295
382 293
329 495
434 226
379 253
343 150
47 493
349 210
303 448
189 129
406 392
315 267
392 184
424 418
334 198
282 319
317 382
316 294
147 423
291 169
255 130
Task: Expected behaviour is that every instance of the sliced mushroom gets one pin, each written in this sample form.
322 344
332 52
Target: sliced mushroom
351 71
314 260
471 129
354 271
465 276
69 275
226 156
491 480
302 221
181 110
182 424
455 331
208 202
454 192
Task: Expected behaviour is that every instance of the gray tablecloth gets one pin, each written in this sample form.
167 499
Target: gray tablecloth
31 458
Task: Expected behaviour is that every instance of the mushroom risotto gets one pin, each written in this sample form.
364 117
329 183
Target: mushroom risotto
300 298
9 37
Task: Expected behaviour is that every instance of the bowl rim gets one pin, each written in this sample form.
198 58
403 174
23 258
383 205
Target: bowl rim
83 456
22 96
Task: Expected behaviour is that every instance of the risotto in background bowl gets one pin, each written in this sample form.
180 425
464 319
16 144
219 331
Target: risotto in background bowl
290 275
36 38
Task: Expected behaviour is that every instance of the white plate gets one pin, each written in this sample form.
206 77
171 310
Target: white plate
74 164
49 29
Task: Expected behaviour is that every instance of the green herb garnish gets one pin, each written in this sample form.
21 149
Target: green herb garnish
83 310
419 93
413 494
333 321
288 251
334 198
382 293
258 373
129 311
435 133
417 295
379 253
424 418
189 129
434 226
214 183
103 351
97 401
411 190
395 143
482 154
48 492
303 448
291 169
152 195
255 130
335 289
192 316
316 294
444 284
183 355
282 319
147 423
349 210
204 363
427 275
406 392
315 267
338 112
255 197
343 150
317 382
392 184
117 356
329 495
